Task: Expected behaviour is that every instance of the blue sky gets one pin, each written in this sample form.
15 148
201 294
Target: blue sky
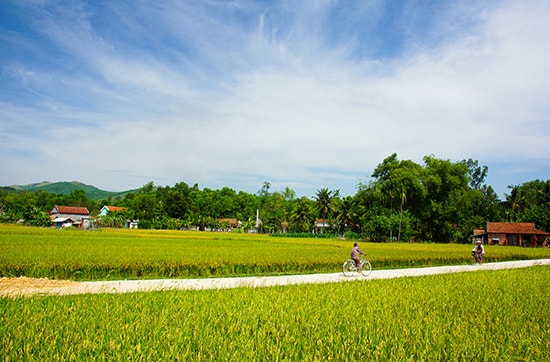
302 94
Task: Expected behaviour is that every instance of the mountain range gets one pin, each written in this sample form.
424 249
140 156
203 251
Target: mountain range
66 187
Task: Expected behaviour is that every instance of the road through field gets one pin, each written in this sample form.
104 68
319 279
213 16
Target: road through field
13 287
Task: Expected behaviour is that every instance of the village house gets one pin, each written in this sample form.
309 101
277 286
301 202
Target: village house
130 224
228 224
511 233
321 225
63 216
107 209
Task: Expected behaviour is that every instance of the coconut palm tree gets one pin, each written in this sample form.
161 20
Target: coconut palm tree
323 202
345 214
302 217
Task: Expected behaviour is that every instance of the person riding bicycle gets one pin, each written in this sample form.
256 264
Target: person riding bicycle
355 252
478 251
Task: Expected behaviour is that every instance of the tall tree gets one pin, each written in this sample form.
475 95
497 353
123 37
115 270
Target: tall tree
476 173
445 184
345 215
302 218
324 203
400 184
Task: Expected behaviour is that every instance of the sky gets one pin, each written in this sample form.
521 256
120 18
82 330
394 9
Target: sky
301 94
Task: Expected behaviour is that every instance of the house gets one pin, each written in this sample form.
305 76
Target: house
70 215
320 225
107 209
511 233
229 223
63 222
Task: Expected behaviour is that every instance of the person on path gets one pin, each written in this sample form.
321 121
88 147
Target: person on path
478 251
355 252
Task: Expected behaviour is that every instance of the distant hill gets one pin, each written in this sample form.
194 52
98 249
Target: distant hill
66 187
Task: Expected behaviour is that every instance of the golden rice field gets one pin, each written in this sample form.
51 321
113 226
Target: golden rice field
476 316
137 254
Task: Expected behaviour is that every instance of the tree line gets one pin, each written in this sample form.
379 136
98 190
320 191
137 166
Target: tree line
437 201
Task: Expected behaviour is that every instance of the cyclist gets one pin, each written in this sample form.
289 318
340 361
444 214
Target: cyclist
355 252
478 252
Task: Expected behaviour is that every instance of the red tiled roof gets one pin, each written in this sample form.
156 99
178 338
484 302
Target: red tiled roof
115 208
513 228
72 210
479 231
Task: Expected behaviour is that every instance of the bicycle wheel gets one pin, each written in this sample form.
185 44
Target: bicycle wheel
348 268
366 268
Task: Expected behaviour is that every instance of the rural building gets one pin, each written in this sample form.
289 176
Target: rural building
130 224
63 222
320 225
107 209
229 223
511 233
70 215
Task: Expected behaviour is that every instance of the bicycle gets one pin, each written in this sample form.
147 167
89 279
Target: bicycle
349 268
477 258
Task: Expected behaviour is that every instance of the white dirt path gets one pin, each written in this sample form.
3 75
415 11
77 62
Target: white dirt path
15 287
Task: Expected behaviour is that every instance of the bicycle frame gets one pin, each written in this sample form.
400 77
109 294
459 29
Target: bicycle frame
349 268
477 258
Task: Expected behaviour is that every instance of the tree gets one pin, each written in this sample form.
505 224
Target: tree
204 204
79 198
145 207
345 215
246 205
274 215
324 202
476 173
264 192
35 217
399 184
377 225
177 204
445 183
529 202
302 218
516 204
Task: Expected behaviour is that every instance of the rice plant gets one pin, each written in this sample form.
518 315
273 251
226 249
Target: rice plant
138 254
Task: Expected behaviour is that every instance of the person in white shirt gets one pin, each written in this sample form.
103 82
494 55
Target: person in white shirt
478 251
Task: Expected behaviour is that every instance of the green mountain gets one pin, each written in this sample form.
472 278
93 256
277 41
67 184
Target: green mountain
65 187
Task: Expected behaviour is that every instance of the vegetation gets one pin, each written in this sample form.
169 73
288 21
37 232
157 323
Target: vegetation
64 188
477 316
438 201
137 254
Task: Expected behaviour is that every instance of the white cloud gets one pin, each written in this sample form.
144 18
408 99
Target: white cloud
208 95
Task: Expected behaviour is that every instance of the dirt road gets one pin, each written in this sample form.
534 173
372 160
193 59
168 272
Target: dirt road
13 287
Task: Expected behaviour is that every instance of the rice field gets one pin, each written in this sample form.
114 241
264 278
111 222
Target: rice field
481 316
140 254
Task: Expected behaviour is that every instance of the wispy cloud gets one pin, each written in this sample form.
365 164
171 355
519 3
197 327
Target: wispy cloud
303 94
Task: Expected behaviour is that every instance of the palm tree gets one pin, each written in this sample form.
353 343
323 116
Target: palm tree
516 203
403 199
345 212
323 202
302 214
